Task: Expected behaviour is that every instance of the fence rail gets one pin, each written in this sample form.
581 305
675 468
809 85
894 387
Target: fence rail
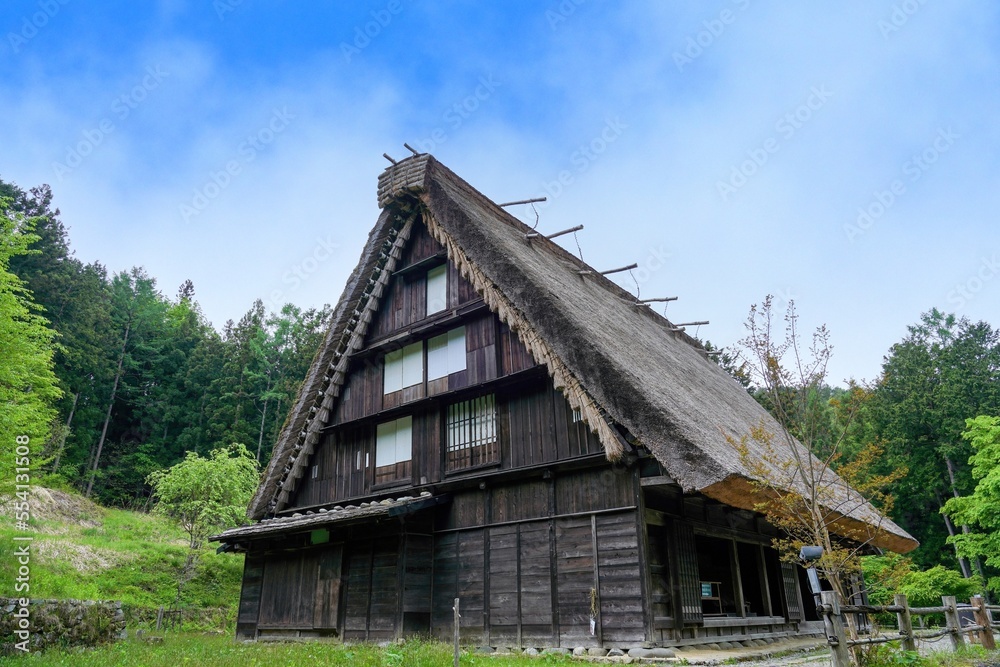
834 613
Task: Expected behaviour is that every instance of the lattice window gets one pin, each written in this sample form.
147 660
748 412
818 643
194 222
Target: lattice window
790 581
688 575
472 433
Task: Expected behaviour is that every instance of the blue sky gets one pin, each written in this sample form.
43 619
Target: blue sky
844 155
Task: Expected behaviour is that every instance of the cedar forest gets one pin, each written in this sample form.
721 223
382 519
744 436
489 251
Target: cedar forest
114 380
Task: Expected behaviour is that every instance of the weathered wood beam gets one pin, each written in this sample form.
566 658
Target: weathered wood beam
659 480
535 235
534 200
618 270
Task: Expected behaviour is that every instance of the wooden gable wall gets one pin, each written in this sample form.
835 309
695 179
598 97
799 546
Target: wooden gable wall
535 424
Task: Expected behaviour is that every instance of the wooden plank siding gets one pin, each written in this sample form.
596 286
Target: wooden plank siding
535 426
417 583
405 299
288 591
539 579
445 583
533 562
249 606
620 578
576 580
505 585
528 558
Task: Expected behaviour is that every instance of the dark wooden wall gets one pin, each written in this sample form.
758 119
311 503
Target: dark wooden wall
249 609
532 583
288 592
527 558
534 426
532 561
404 302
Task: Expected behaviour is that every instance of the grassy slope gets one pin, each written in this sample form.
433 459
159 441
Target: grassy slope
85 551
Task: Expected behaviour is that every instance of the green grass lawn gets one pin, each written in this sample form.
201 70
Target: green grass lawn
217 651
178 649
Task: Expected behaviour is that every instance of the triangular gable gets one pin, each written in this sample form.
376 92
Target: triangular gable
319 391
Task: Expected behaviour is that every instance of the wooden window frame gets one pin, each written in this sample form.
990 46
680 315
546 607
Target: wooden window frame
471 434
436 279
398 363
399 470
454 353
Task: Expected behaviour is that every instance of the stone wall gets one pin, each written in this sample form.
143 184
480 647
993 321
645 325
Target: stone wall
46 623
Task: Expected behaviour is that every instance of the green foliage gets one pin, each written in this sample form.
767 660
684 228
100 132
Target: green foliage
28 385
925 588
981 509
885 655
946 370
892 573
206 495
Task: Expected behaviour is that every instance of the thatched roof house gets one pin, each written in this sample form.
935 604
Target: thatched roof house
627 368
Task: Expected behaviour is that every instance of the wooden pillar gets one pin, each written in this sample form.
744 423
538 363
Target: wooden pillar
905 623
734 561
835 634
954 625
982 616
596 590
766 585
642 533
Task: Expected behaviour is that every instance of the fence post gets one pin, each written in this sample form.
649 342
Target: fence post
954 625
905 623
982 616
457 634
835 634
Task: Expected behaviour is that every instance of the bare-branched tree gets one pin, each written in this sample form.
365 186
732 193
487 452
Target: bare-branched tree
797 463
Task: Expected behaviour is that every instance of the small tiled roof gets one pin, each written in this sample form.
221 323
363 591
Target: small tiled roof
335 515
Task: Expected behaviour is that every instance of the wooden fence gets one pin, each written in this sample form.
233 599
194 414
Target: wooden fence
834 613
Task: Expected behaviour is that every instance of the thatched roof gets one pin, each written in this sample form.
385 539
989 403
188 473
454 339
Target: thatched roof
627 369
